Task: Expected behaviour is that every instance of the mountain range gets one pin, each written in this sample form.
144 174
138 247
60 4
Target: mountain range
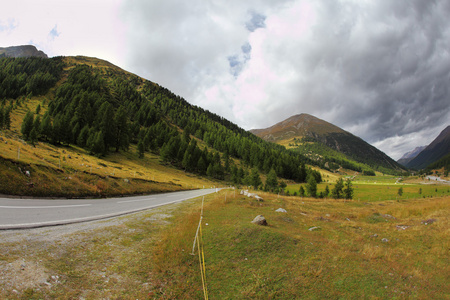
438 149
408 156
301 130
96 106
22 51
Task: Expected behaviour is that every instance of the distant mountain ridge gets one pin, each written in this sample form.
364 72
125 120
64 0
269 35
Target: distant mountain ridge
302 125
22 51
408 156
439 148
312 129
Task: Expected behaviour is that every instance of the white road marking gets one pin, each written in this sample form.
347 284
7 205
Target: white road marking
140 200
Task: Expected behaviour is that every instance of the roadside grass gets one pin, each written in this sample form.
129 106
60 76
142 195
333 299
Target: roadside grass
346 256
319 249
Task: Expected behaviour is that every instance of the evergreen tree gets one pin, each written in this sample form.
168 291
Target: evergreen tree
271 181
122 138
326 193
141 149
83 136
7 118
33 136
311 186
96 144
336 192
27 125
106 124
302 191
201 166
46 127
348 190
255 179
210 171
400 191
1 117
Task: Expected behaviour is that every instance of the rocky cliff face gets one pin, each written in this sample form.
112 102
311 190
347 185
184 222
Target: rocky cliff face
22 51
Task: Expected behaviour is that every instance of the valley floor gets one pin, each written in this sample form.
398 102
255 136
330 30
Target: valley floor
317 249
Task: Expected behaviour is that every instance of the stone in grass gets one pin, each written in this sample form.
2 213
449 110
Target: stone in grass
429 221
314 228
281 210
260 220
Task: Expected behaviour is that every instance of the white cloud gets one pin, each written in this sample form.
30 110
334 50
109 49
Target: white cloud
82 27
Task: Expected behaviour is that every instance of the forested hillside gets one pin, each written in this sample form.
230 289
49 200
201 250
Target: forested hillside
103 109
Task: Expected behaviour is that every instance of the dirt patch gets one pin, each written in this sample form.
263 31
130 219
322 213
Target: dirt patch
21 266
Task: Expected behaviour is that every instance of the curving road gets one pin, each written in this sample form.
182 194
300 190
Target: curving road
33 213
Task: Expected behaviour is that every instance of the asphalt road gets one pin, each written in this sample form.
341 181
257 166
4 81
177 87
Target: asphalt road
34 213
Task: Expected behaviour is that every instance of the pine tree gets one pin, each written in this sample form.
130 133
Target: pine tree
271 181
336 192
255 179
33 136
46 127
2 115
122 132
326 193
302 191
311 186
27 125
7 118
348 190
141 149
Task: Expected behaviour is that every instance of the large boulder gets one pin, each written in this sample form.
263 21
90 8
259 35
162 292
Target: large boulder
260 220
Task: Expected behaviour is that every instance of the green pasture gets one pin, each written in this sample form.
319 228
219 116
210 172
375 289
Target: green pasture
370 188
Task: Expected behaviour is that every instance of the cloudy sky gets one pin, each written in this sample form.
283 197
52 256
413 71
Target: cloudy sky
379 69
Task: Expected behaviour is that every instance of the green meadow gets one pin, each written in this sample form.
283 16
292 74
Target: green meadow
377 188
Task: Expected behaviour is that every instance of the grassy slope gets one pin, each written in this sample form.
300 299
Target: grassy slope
72 172
345 257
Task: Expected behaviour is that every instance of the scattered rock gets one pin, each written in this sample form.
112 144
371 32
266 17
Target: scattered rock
126 180
389 216
402 227
281 210
260 220
429 221
314 228
258 198
27 173
384 240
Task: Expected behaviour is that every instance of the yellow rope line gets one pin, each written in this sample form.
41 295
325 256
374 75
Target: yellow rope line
201 257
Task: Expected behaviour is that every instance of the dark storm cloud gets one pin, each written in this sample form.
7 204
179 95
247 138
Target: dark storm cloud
379 69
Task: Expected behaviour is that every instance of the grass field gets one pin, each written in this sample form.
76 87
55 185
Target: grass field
377 188
319 249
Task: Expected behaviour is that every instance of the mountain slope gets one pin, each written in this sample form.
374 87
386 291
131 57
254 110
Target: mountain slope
408 156
95 107
22 51
308 128
439 148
